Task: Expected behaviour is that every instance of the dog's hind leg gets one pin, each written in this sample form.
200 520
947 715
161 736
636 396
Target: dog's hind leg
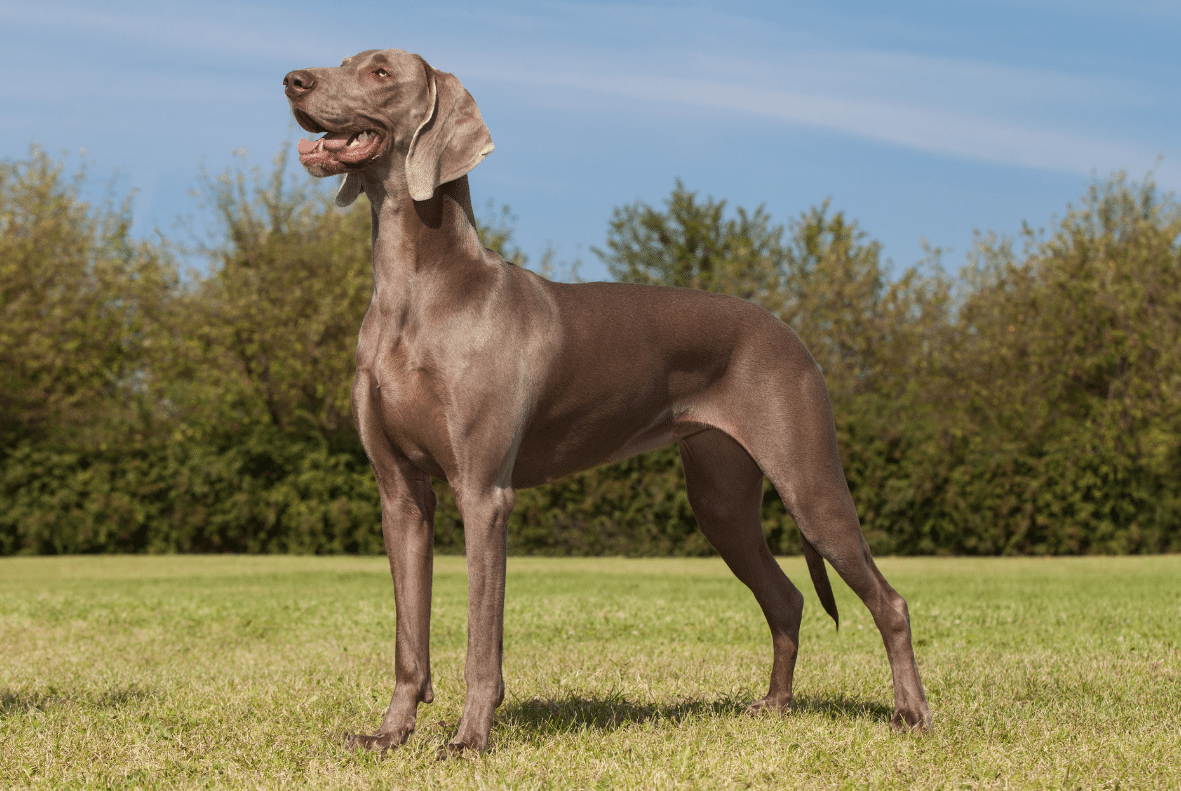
725 489
800 457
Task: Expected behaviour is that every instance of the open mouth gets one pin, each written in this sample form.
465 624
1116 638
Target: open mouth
336 152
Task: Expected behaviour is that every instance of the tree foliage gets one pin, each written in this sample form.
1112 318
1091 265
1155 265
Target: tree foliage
77 295
1067 361
1028 405
267 335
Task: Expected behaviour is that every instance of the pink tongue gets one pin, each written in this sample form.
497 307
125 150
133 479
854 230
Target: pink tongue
332 141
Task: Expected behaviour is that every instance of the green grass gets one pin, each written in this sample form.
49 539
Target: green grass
245 672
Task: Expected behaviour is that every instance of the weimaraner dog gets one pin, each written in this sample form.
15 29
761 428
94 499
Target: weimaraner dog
491 378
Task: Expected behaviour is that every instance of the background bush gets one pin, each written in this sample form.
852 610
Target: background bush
1028 405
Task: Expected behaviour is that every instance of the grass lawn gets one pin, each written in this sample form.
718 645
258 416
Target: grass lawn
245 672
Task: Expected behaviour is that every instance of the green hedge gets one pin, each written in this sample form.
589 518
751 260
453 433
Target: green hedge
268 492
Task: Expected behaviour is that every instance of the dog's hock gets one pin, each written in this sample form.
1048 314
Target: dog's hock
450 141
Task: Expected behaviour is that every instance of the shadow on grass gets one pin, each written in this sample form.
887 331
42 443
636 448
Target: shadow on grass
842 708
549 716
14 702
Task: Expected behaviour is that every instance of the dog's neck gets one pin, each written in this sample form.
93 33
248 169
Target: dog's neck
410 235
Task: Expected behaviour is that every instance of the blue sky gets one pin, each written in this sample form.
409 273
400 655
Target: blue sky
919 120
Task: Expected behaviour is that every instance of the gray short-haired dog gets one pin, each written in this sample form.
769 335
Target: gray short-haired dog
491 378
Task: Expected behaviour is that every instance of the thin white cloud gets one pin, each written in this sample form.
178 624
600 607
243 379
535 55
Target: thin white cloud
901 100
1148 10
989 111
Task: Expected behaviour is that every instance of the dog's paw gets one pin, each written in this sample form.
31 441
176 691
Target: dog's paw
771 703
457 750
376 743
913 718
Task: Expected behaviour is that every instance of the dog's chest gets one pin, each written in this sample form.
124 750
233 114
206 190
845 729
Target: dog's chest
402 391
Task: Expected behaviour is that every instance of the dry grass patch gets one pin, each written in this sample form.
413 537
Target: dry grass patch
190 672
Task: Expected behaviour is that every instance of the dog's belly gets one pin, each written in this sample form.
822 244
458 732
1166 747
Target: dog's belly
544 458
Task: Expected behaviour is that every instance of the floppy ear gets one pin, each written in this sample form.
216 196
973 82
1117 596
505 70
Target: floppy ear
450 142
350 188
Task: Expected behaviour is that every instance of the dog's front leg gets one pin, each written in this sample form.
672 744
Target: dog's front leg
407 525
485 520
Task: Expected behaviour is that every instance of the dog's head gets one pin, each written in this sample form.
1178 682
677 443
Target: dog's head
383 104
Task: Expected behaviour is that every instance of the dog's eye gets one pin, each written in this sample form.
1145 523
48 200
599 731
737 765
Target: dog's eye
382 73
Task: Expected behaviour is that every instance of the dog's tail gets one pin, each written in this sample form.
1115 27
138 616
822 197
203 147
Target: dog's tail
820 580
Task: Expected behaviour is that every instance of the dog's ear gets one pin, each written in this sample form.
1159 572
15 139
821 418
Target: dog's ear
450 141
350 188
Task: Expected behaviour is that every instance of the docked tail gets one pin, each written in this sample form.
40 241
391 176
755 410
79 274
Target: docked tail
820 580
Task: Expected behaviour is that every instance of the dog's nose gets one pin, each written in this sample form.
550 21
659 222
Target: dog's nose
298 82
